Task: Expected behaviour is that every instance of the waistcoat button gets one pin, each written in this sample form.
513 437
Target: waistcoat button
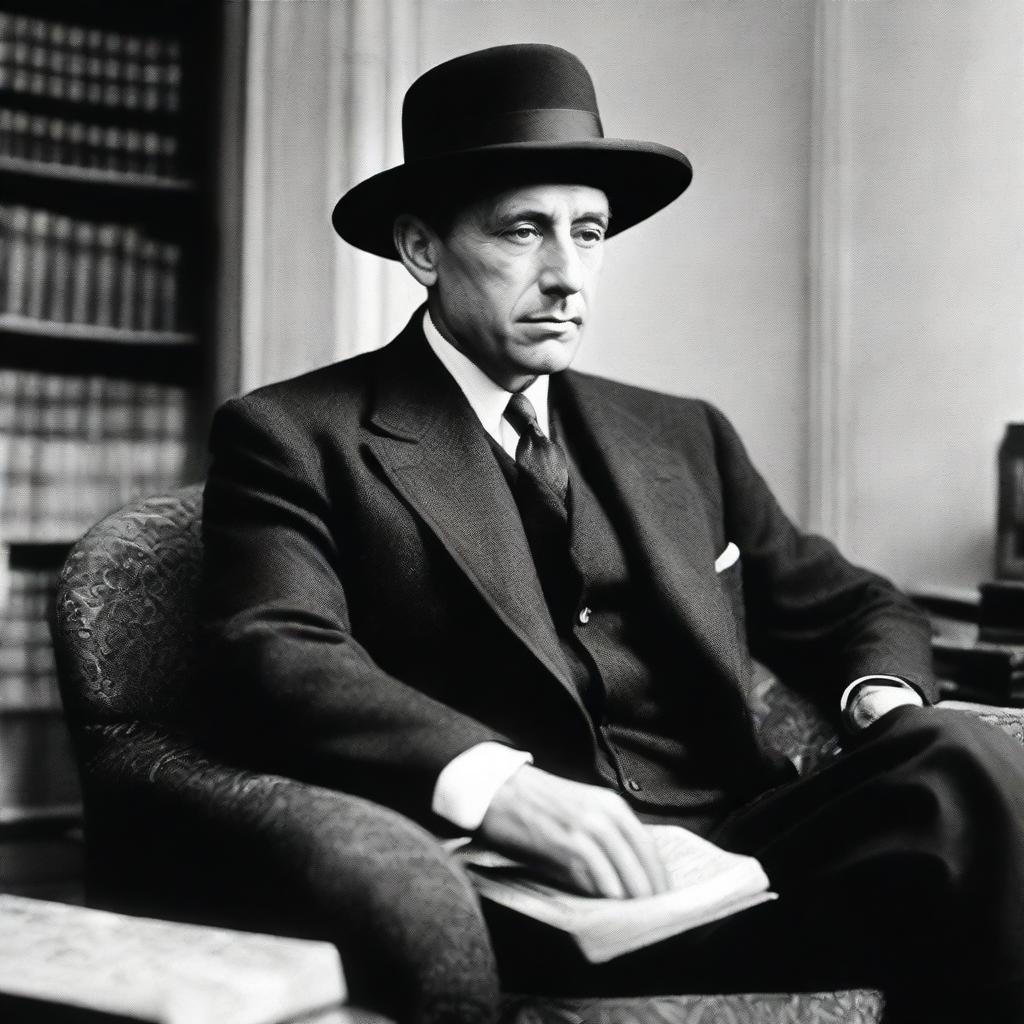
584 615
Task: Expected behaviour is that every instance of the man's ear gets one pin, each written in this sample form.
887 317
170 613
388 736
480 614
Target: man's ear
417 244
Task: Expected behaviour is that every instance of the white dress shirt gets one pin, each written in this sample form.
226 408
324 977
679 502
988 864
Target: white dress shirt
487 398
468 783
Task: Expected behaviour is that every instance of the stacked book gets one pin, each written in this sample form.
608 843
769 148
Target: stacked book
978 641
74 448
980 671
70 142
65 270
67 963
28 675
100 67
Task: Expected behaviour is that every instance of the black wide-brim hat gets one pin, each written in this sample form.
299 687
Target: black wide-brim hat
506 116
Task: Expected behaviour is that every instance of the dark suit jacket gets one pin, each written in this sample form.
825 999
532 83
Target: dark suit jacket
373 608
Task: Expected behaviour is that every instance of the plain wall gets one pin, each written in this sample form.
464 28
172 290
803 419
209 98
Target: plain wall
936 285
709 297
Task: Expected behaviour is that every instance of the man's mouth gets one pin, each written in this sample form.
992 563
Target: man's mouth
577 320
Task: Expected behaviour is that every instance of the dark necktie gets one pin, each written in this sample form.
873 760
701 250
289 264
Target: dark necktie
536 452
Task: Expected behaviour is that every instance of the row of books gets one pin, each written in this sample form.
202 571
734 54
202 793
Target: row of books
70 143
90 65
59 488
61 269
28 674
91 408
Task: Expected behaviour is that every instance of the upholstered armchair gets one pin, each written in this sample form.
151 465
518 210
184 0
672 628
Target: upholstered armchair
173 831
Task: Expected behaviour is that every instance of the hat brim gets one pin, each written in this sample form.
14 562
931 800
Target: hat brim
639 179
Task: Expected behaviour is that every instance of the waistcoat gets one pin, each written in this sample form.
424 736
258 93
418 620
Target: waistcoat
626 674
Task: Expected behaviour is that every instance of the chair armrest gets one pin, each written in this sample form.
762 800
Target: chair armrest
1010 720
790 723
173 833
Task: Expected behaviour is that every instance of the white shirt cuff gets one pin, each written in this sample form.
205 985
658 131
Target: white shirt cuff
899 692
468 783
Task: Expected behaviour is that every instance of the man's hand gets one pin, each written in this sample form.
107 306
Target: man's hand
586 837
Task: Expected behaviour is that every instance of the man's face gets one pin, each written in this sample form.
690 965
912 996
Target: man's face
516 276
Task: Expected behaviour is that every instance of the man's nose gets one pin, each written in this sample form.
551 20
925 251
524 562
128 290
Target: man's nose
562 273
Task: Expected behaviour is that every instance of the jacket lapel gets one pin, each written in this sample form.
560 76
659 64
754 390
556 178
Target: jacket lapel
663 510
436 454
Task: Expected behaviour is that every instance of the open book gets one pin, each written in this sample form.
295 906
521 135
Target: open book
708 883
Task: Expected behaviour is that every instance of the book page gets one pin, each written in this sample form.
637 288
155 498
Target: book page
708 883
690 859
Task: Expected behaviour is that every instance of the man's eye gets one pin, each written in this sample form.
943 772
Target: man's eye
590 236
523 233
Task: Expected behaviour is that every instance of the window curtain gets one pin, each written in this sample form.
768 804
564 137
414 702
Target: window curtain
323 87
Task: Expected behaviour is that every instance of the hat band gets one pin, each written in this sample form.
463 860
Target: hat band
550 124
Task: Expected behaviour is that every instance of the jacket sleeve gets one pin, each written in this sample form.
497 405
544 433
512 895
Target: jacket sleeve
297 693
813 617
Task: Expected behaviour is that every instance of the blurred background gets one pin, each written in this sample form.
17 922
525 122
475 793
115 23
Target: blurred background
844 278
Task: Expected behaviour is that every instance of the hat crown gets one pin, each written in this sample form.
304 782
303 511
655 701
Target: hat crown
502 118
524 92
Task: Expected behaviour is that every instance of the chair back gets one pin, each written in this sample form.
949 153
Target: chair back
125 632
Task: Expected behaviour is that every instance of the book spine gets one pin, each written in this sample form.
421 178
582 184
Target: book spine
171 93
167 307
9 384
83 265
76 65
6 44
57 60
128 278
106 274
5 253
58 300
17 260
6 130
149 284
38 264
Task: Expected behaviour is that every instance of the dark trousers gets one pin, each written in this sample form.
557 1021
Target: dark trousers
899 865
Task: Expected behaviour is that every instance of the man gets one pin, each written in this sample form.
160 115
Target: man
463 580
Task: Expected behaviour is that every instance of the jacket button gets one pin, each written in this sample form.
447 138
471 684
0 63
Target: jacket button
584 615
633 785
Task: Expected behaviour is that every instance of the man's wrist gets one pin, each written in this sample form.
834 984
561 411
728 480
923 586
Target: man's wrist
868 698
468 783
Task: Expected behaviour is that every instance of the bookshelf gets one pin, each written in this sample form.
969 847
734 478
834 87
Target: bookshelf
106 253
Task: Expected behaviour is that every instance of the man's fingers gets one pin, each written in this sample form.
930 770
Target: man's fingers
644 848
632 850
629 851
591 871
623 859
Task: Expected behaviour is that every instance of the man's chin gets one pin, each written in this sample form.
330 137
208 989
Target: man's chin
549 356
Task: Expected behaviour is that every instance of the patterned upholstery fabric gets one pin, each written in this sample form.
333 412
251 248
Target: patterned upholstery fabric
174 831
811 1008
126 611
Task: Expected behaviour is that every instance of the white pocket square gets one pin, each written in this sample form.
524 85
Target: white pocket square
730 556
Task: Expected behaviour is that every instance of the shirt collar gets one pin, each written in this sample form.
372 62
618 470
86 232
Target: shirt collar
487 399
